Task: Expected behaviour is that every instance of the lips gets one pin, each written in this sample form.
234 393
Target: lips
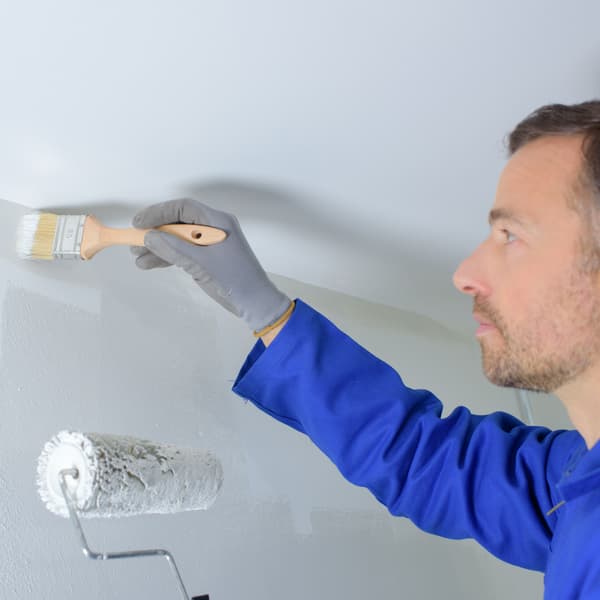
484 326
481 320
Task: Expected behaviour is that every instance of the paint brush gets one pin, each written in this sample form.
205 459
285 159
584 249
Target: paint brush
48 236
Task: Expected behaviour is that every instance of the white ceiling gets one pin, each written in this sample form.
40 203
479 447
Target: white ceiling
359 142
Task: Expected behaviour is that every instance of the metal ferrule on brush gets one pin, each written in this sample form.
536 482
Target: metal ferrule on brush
68 236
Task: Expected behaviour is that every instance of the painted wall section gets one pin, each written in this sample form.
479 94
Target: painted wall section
102 346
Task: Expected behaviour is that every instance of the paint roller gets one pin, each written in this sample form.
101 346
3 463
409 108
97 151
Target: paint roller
99 475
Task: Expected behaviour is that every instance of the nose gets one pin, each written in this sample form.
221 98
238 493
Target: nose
470 276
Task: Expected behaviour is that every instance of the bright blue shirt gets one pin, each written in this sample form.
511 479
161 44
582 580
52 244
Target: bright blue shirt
487 477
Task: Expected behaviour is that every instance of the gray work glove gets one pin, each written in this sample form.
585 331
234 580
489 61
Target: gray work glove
228 272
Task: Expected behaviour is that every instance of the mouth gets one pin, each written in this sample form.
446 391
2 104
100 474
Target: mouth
484 326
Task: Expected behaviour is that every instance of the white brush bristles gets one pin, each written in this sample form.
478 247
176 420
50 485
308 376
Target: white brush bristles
26 234
35 236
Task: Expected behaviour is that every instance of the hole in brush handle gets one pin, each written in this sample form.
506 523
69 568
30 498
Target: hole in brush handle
203 597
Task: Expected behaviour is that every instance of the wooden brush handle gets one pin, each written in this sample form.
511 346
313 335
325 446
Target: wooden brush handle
96 236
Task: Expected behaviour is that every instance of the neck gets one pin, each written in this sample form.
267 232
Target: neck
580 398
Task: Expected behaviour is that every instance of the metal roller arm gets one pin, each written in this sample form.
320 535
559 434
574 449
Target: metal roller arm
74 473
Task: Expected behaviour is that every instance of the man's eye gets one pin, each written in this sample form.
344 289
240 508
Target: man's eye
510 237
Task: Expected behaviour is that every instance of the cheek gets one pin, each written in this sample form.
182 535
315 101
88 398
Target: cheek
562 311
532 277
533 310
519 302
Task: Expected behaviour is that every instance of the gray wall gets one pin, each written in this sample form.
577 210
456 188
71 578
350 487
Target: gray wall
105 347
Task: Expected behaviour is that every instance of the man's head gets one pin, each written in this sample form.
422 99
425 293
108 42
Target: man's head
536 277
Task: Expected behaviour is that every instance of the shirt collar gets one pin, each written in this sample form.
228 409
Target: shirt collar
582 472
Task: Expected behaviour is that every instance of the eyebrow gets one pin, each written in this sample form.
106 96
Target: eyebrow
506 214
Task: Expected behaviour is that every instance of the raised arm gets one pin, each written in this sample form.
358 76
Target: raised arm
483 477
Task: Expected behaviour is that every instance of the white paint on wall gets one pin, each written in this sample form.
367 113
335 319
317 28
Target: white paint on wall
33 279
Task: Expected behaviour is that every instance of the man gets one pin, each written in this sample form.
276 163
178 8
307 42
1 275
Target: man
529 495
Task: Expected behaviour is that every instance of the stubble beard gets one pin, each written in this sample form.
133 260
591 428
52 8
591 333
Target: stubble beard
558 342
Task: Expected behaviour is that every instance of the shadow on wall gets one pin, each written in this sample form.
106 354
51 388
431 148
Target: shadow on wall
267 204
283 209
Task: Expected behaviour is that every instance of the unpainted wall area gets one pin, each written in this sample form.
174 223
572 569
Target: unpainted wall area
103 346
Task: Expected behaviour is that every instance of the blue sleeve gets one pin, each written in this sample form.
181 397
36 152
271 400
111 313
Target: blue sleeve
465 475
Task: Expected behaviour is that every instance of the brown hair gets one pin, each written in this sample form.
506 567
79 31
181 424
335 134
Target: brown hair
562 119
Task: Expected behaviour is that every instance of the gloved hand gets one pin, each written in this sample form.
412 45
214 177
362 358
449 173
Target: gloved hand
228 272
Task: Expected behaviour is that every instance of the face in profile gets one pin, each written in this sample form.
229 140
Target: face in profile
542 309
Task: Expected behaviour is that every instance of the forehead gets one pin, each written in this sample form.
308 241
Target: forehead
540 177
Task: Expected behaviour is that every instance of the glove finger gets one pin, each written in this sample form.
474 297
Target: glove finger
183 210
180 253
138 250
167 247
148 260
